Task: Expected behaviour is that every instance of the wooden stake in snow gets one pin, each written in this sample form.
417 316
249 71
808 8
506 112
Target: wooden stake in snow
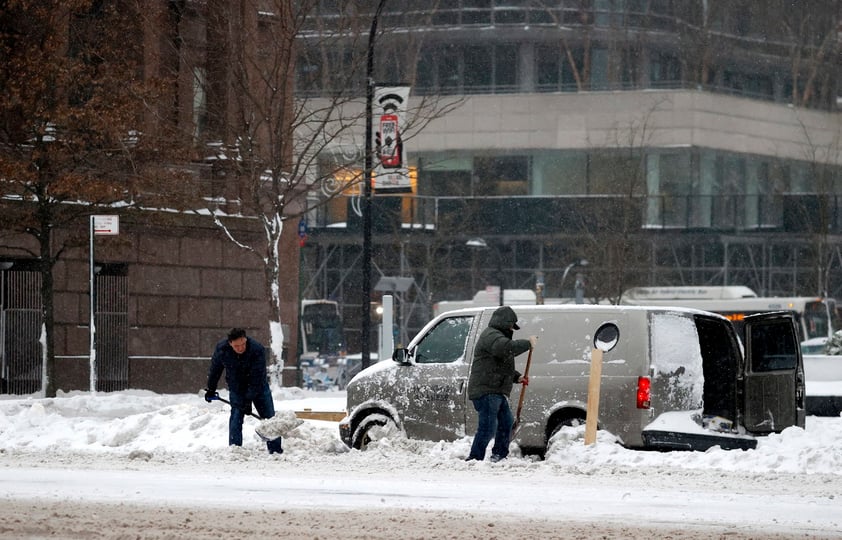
593 396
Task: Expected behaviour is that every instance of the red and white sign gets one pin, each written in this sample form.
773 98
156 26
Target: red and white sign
391 172
106 225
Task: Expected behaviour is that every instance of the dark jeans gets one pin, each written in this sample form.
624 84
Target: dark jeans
495 420
240 407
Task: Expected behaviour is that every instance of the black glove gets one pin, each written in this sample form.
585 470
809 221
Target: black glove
211 395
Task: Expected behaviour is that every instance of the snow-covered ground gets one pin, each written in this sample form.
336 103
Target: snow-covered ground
146 450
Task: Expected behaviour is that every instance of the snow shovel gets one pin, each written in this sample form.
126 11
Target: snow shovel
273 443
516 425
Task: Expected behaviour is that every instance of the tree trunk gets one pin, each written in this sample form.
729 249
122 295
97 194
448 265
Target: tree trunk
272 272
47 317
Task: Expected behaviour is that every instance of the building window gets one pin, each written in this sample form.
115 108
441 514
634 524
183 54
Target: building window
505 67
200 102
615 174
438 69
559 173
599 69
548 68
664 70
476 11
443 176
449 183
479 67
553 71
502 175
509 12
669 182
761 86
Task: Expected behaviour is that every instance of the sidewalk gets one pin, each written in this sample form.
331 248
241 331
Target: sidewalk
328 406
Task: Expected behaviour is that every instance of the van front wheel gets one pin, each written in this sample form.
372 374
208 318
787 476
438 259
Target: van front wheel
373 428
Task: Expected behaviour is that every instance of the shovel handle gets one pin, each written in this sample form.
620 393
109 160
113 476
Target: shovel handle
522 393
223 400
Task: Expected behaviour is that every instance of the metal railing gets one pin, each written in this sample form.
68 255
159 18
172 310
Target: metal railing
21 364
112 329
795 213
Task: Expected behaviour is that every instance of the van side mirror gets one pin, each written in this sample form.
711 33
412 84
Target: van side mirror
401 356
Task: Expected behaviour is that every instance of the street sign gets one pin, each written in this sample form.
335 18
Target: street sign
106 225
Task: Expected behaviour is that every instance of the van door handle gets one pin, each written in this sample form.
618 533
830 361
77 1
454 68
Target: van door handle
461 387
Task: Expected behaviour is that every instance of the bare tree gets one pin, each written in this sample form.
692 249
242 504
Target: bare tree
286 150
73 136
580 67
814 49
614 248
822 157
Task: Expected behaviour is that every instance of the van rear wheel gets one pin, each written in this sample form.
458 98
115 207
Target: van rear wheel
572 421
373 428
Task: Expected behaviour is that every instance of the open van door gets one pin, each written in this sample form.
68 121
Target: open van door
773 394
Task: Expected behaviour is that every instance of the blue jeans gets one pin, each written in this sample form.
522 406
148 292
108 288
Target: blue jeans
240 407
495 420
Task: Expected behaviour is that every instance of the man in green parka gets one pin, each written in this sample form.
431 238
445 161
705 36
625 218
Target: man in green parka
493 375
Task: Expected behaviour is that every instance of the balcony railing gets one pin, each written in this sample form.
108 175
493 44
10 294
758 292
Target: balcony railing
529 215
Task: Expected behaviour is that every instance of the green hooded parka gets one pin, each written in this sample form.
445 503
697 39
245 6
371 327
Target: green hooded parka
493 368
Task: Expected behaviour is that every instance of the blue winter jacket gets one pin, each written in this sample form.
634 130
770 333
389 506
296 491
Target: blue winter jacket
245 374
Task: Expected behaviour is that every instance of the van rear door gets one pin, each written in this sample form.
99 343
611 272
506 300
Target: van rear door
773 391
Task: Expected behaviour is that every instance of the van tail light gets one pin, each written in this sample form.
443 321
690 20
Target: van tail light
644 385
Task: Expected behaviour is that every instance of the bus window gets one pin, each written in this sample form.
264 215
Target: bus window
737 318
816 318
322 328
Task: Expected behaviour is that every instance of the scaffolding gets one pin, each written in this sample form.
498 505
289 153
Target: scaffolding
772 264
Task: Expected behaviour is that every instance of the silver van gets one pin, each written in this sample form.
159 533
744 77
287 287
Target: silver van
672 378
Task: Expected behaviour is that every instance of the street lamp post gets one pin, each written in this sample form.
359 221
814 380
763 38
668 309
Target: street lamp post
577 262
365 331
480 243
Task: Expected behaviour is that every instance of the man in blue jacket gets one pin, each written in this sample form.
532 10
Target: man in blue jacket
244 362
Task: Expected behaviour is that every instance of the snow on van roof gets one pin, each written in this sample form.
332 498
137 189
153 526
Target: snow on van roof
586 307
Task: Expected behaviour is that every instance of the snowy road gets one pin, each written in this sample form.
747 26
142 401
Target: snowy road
613 499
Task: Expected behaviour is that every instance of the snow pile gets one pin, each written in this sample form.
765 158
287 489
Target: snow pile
280 425
165 452
144 425
833 347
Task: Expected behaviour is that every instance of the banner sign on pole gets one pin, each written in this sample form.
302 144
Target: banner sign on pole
389 119
106 225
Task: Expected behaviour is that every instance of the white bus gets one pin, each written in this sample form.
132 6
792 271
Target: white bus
816 317
486 298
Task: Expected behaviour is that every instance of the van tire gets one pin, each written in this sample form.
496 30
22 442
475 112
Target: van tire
373 427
